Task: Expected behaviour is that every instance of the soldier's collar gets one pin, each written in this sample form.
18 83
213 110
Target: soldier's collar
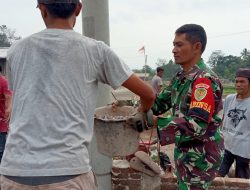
192 72
188 74
201 64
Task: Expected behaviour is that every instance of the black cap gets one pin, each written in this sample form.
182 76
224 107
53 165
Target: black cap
243 72
57 1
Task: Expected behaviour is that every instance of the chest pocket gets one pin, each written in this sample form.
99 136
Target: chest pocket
185 103
181 97
181 94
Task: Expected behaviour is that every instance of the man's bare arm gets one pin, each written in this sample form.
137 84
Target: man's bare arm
142 89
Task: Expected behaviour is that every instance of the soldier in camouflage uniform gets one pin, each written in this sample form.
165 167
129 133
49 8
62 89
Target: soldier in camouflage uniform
194 98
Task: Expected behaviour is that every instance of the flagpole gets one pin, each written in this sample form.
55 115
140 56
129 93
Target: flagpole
145 60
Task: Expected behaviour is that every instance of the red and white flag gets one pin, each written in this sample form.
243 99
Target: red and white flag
142 49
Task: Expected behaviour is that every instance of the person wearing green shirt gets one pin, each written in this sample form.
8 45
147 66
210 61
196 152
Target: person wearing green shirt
194 98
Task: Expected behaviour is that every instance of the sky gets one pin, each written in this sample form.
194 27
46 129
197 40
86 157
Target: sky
151 23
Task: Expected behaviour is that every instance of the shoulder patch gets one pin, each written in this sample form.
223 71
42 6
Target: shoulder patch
200 91
202 100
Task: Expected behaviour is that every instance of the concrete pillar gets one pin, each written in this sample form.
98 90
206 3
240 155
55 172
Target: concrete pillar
96 19
96 25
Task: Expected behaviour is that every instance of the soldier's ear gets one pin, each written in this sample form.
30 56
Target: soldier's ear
197 46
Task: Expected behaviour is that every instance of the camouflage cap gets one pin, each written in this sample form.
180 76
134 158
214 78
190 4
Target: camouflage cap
243 72
57 1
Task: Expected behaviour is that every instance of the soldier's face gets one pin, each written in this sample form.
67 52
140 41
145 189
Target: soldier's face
242 86
184 51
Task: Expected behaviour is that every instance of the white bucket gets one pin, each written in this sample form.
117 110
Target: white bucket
113 136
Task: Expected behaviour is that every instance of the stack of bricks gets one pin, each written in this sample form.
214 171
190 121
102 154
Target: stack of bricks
130 179
126 179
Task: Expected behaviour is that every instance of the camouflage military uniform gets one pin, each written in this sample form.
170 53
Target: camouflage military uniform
196 115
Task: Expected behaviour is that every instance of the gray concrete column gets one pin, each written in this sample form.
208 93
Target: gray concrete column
96 19
96 25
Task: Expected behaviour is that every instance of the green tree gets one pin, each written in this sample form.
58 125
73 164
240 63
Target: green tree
147 69
245 56
224 66
215 58
7 36
170 69
161 62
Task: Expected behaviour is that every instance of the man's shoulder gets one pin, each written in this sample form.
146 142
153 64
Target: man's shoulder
230 97
3 78
67 35
208 73
156 77
17 44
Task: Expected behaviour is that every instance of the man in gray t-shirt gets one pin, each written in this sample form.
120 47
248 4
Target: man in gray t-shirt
157 80
236 127
54 76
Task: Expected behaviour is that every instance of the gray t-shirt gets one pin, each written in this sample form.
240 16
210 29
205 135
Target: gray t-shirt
156 84
54 75
236 125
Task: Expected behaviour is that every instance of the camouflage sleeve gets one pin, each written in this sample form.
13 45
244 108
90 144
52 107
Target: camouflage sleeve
205 107
163 101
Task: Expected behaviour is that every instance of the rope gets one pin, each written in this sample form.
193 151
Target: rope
150 138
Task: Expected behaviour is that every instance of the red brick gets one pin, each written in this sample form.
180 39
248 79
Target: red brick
120 188
218 181
129 178
116 181
168 187
219 188
169 179
122 176
128 182
116 170
135 176
236 182
124 182
135 184
131 170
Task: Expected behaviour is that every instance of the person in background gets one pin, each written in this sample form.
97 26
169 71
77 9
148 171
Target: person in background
195 99
54 75
157 87
5 109
236 127
157 80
